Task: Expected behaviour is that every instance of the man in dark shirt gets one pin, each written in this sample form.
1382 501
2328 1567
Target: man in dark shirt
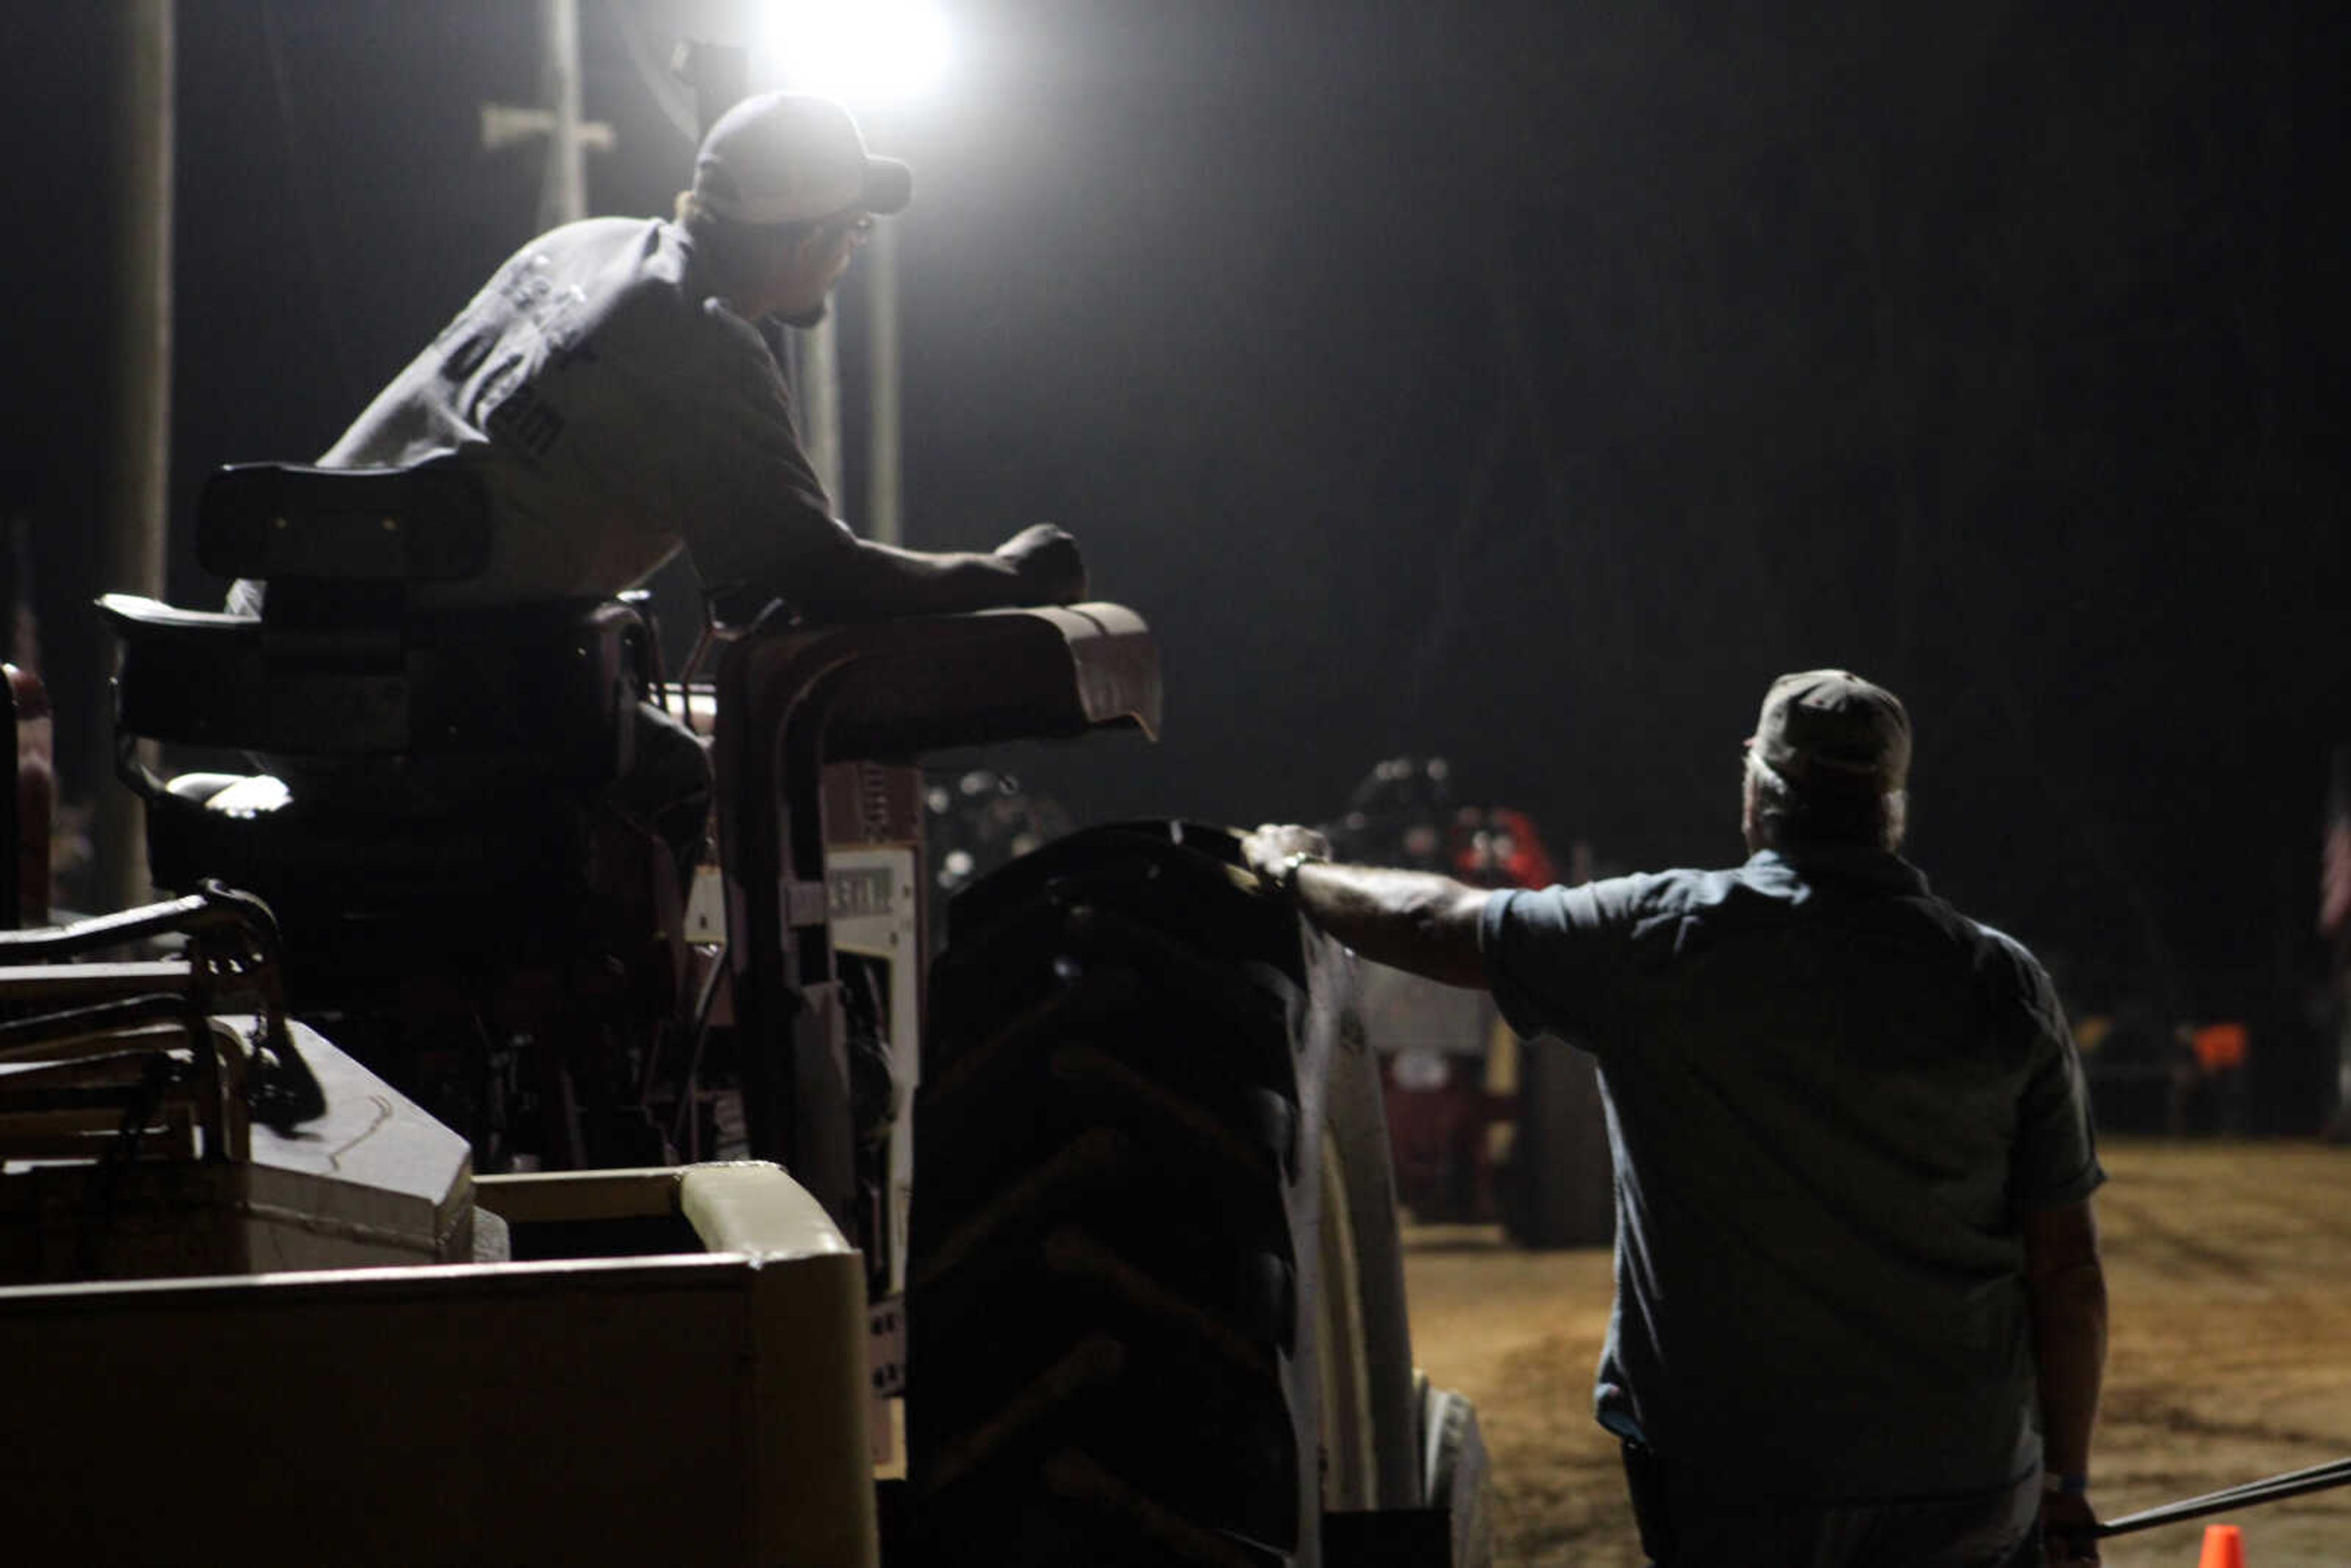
1860 1312
614 386
615 390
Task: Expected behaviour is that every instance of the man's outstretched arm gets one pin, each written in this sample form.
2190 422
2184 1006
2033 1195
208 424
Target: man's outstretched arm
860 580
1410 920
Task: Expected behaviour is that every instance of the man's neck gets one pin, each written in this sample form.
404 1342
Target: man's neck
756 306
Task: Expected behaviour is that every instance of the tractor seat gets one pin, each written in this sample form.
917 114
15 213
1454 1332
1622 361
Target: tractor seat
400 762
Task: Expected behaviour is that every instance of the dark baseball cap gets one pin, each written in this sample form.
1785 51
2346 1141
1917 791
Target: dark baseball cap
1832 728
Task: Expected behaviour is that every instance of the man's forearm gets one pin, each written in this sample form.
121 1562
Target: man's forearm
2068 1349
2066 1289
1407 919
869 580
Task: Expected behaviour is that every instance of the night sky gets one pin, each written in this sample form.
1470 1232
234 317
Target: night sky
1523 383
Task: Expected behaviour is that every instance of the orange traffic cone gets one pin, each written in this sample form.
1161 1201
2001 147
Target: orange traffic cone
2224 1547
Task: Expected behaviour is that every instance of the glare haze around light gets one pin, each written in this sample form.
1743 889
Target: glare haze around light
860 51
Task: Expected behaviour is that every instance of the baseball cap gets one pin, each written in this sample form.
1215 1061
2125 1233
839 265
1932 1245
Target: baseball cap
1832 728
787 157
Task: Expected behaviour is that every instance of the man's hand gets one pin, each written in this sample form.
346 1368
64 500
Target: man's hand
1264 851
1412 920
1048 563
2066 1522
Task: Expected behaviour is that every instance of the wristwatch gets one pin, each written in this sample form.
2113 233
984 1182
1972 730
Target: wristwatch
1285 872
2055 1483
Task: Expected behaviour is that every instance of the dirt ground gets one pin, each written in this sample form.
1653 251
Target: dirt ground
2229 1271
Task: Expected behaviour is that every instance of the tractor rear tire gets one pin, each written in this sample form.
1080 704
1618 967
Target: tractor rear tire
1155 1307
1457 1473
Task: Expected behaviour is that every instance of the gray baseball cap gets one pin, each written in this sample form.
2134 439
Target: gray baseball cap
1830 728
788 157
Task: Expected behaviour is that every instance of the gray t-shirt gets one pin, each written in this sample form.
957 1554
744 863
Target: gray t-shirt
616 412
1830 1098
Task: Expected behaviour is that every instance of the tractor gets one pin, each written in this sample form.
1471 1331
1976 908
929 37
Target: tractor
453 1172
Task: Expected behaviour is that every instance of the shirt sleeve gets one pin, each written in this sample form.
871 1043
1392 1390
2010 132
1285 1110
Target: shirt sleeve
750 506
2054 1161
1555 959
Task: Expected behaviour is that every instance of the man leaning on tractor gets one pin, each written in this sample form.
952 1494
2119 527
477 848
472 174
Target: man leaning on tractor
615 388
1860 1314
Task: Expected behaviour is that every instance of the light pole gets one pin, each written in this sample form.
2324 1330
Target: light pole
138 413
881 455
868 54
563 190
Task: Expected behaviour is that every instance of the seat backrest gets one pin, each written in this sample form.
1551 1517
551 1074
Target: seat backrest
341 663
556 682
280 522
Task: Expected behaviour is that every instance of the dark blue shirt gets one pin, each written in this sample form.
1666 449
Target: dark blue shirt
1830 1097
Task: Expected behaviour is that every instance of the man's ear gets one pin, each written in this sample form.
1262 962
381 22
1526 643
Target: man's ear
785 246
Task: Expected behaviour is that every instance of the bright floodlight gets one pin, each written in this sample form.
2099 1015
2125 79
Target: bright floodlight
861 51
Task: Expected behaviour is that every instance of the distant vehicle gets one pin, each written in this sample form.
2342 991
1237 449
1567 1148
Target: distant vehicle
1482 1126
